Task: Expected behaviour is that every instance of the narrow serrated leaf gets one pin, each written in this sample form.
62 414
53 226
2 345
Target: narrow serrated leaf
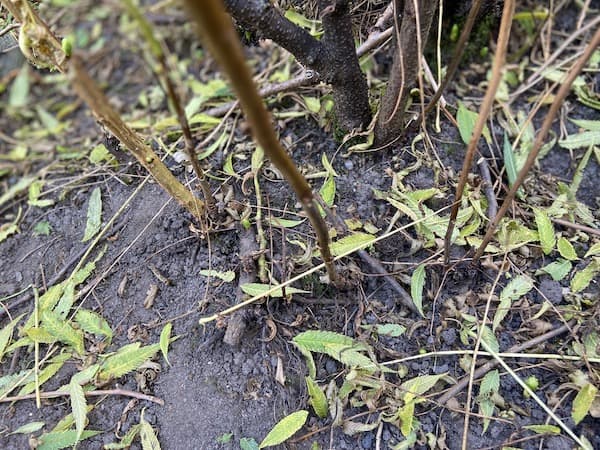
328 191
148 436
543 429
417 283
545 231
78 407
165 337
254 289
565 249
63 439
125 441
93 323
490 383
557 269
94 215
585 139
6 334
285 429
28 428
63 331
227 276
128 358
317 397
583 402
351 243
417 386
515 289
583 278
593 251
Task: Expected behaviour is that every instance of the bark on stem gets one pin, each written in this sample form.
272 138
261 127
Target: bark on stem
390 123
333 58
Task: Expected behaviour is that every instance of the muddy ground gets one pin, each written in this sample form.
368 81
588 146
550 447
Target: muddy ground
212 389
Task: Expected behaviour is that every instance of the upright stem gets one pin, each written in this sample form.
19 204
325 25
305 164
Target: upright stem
220 36
484 112
539 139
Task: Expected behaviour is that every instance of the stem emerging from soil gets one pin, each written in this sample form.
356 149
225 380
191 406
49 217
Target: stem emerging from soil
220 36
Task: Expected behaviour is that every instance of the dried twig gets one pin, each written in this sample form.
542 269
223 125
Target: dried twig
539 139
98 393
484 111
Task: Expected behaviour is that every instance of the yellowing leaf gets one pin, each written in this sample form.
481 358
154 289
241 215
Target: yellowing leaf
149 439
583 402
328 191
543 429
254 289
417 282
585 139
545 231
63 439
285 429
127 358
63 331
6 334
93 323
593 251
566 250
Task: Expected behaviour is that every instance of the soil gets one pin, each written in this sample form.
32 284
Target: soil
211 389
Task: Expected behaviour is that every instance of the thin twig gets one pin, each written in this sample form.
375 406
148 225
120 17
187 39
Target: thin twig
454 390
564 90
484 112
98 393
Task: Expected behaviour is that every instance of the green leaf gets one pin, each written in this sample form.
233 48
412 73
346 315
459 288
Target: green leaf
327 191
31 427
327 165
317 398
93 323
248 444
6 334
16 189
284 223
127 358
126 440
557 269
100 153
255 289
42 228
545 231
466 122
285 429
583 278
591 125
489 339
45 374
94 215
340 347
63 331
583 402
417 283
78 406
593 251
351 243
543 429
509 161
386 329
406 414
227 276
35 190
165 336
515 289
490 384
566 250
585 139
149 439
19 90
63 439
416 387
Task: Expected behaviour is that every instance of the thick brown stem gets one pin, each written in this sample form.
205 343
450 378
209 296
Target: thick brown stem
390 123
333 58
220 37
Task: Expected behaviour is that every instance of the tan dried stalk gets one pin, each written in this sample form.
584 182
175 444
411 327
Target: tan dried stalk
42 48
